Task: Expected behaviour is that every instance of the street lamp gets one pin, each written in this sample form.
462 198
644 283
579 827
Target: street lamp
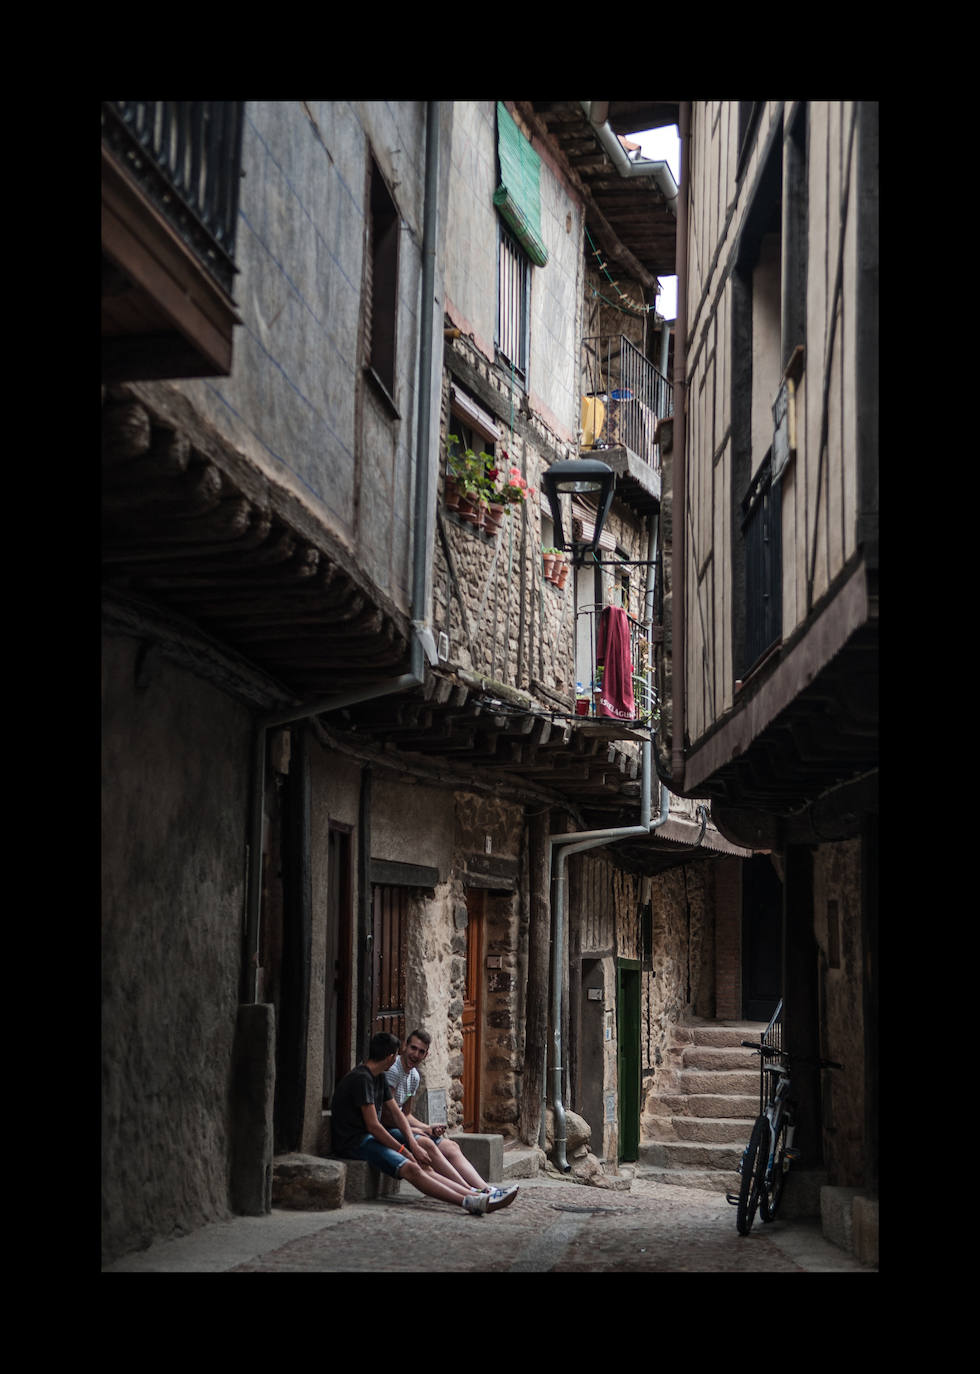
579 476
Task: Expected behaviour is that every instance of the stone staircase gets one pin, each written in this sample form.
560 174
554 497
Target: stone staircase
698 1119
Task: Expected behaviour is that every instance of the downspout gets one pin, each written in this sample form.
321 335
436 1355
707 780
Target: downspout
568 844
421 642
679 521
596 112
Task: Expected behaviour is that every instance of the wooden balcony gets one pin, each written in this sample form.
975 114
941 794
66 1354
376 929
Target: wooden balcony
623 398
170 178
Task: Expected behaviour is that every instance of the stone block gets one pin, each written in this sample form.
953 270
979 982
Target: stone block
864 1217
308 1183
836 1208
484 1152
254 1076
363 1181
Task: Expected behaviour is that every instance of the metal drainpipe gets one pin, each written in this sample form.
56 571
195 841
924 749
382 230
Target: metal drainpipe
422 539
679 553
592 839
660 171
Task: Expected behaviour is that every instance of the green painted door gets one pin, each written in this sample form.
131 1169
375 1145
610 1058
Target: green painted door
628 1047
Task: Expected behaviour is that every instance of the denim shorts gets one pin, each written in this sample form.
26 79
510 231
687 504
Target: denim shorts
389 1161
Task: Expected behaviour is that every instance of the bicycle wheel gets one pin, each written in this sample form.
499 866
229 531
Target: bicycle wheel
753 1176
772 1189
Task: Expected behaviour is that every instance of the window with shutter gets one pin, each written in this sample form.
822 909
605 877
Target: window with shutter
381 284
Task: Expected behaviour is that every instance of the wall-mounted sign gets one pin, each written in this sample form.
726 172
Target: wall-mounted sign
784 434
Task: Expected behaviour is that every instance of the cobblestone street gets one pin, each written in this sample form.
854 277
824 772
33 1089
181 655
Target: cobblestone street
552 1227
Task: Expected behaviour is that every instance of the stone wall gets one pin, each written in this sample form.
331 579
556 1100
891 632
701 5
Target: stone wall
681 983
173 851
837 927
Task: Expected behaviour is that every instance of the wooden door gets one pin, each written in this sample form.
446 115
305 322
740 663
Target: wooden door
337 985
628 1047
388 962
473 1009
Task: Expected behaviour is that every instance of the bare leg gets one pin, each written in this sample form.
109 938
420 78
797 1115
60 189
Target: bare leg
432 1184
454 1156
443 1164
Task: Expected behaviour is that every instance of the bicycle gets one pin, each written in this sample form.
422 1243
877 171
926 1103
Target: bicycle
770 1151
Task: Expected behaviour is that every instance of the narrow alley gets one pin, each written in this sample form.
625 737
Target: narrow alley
554 1227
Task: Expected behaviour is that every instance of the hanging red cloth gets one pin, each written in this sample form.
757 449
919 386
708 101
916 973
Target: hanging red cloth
613 655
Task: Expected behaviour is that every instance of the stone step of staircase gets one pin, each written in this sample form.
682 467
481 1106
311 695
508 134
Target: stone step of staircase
713 1130
692 1154
720 1033
727 1058
719 1181
724 1081
702 1118
745 1106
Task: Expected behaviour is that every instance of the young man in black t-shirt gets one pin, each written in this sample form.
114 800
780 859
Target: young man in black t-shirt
360 1101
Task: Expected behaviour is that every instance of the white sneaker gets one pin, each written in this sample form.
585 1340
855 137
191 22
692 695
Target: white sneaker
500 1197
476 1203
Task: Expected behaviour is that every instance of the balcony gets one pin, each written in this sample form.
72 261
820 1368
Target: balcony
170 177
623 399
600 706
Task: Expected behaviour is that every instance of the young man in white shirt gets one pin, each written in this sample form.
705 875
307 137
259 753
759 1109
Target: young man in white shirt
443 1154
362 1104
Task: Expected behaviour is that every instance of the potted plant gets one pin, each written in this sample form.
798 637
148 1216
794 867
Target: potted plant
550 556
473 481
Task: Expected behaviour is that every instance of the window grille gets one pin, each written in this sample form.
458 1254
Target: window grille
761 530
513 287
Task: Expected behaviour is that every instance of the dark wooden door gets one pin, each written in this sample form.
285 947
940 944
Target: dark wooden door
388 963
472 1009
628 1047
337 987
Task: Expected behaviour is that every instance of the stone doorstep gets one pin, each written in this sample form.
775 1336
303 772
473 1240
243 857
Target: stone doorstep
850 1219
484 1152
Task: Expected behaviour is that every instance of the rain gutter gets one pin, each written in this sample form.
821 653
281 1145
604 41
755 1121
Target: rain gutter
679 518
422 643
596 112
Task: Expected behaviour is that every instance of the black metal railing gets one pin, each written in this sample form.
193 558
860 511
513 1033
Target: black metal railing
186 155
624 396
761 531
589 691
772 1037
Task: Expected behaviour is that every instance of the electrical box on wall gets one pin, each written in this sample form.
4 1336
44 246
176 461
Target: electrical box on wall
593 994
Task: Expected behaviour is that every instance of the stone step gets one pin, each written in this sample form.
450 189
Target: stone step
718 1130
738 1081
720 1181
729 1033
741 1105
728 1058
692 1154
522 1161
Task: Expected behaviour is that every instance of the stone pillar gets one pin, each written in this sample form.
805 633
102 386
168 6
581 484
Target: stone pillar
253 1091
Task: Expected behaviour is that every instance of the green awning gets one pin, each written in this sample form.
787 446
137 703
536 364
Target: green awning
518 197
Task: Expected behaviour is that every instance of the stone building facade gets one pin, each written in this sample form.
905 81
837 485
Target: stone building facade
773 602
340 724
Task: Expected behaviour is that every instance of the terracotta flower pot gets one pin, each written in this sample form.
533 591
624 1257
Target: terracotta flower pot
562 575
549 566
452 492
